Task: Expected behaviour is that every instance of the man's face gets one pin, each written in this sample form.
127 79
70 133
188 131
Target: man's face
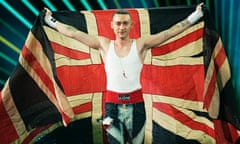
121 25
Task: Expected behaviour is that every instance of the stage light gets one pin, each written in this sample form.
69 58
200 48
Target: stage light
16 14
207 4
12 29
86 5
5 71
9 44
117 4
131 3
156 3
230 30
49 5
7 58
168 3
102 4
223 22
237 42
2 82
30 7
216 13
69 5
144 3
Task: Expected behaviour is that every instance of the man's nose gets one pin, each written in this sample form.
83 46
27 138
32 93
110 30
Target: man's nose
122 26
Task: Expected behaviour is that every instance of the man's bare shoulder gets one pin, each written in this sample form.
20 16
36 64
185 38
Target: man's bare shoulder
104 42
103 39
140 42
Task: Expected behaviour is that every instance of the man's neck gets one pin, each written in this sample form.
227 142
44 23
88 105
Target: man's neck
122 42
122 46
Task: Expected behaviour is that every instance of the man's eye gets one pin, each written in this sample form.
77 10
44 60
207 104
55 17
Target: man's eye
118 23
125 23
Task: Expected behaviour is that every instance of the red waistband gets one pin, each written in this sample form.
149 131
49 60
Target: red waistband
124 98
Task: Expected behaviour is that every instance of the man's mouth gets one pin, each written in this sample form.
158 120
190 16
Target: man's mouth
122 32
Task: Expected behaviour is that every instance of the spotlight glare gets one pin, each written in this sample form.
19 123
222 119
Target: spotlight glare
16 14
156 3
144 3
30 7
9 44
69 5
102 4
86 5
117 4
5 71
7 58
2 82
50 5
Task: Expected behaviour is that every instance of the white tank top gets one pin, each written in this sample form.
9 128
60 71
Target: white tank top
123 73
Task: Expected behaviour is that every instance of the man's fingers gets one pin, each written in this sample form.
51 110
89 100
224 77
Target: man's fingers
48 12
199 6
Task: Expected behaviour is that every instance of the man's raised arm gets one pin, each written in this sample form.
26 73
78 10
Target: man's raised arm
71 31
161 37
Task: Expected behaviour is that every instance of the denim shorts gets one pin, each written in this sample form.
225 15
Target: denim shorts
128 123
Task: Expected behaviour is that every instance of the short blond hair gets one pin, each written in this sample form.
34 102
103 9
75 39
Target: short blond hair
121 11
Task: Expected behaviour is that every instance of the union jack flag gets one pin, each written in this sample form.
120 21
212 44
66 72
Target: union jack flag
59 81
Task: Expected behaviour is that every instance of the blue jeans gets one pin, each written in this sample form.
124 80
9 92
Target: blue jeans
128 123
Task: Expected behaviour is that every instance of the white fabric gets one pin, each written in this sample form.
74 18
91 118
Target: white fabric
52 22
116 66
107 121
195 16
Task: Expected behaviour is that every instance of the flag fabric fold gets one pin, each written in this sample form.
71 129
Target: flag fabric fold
59 81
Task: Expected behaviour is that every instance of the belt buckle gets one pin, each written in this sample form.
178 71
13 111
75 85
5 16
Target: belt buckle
124 97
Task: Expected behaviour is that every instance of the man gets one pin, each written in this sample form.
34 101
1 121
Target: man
123 59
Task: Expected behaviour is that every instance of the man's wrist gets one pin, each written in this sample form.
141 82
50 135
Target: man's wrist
195 16
51 21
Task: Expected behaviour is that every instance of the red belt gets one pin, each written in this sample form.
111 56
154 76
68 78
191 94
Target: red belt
124 98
